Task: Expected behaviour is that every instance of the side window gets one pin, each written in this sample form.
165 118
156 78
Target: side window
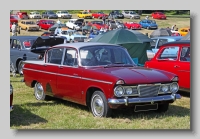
70 58
54 56
185 54
161 42
170 53
153 43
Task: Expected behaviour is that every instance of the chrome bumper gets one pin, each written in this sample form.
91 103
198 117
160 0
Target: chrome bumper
127 100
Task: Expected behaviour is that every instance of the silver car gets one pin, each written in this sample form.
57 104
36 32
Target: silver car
131 14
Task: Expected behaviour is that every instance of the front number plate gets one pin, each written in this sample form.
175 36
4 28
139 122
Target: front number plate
146 107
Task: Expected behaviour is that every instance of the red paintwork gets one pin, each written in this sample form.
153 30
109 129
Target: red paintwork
158 15
44 24
183 69
74 87
99 15
21 14
132 25
13 19
98 26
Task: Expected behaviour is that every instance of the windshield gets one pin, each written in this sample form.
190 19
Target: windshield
13 17
151 21
98 22
51 12
64 12
132 12
51 22
28 43
104 55
37 13
30 22
85 13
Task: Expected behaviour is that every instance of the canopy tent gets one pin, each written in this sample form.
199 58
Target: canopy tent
161 32
186 37
136 43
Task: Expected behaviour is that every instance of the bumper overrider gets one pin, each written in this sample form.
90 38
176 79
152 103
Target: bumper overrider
151 100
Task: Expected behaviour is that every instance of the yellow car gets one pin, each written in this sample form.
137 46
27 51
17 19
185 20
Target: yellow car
184 31
28 25
84 14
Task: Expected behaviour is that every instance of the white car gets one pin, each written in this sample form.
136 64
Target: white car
64 14
75 24
35 15
131 14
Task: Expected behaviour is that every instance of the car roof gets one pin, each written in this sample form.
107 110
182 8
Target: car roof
79 45
168 37
23 37
178 42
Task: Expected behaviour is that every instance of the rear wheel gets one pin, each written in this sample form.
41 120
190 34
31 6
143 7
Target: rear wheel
39 92
20 67
99 105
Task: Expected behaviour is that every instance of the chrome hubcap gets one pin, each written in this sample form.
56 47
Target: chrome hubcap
98 105
39 91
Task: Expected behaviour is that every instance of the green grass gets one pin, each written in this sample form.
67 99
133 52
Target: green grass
59 114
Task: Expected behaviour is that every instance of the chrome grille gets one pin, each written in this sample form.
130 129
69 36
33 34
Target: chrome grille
148 90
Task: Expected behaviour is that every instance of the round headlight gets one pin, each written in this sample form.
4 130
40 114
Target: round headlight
165 88
129 91
118 91
174 87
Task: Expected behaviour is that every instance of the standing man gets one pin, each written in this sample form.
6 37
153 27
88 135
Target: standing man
173 27
104 19
58 22
14 28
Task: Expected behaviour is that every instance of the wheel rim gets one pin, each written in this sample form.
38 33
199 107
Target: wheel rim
20 67
97 106
39 91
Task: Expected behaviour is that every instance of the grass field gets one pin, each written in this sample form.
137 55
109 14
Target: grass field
59 114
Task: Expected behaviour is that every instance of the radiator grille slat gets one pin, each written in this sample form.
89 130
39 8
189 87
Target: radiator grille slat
148 91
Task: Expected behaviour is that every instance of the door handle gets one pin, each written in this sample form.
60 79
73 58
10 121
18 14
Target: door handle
176 66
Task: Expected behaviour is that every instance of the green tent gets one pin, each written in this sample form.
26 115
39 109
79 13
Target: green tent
135 42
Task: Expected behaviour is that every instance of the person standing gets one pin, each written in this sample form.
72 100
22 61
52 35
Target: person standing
58 22
14 28
173 27
104 19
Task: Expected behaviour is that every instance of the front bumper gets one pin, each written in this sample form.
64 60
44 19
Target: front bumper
127 100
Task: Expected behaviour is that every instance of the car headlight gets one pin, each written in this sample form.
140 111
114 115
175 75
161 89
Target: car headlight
119 91
165 88
11 89
174 87
129 91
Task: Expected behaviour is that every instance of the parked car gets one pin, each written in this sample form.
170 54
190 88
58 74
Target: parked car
120 24
35 15
47 34
158 15
49 15
184 31
84 14
75 24
11 98
130 14
72 36
99 15
157 42
148 24
28 25
22 15
174 57
112 24
14 18
98 24
132 25
116 14
53 28
101 76
46 24
20 48
175 33
64 14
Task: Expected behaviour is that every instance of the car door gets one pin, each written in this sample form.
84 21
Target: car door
183 67
69 78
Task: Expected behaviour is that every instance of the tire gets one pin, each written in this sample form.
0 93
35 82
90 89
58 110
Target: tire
39 92
20 67
99 106
163 107
93 17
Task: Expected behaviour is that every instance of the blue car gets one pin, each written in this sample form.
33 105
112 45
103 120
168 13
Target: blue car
148 24
94 34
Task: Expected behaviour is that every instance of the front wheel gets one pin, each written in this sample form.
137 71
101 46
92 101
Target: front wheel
99 105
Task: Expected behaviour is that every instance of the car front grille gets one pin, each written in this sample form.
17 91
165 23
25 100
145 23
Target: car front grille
148 90
79 39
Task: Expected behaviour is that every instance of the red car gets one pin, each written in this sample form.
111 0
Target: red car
132 25
174 57
98 24
46 24
13 18
99 15
101 76
158 15
22 15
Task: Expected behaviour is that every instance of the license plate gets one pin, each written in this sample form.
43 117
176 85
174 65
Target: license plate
146 107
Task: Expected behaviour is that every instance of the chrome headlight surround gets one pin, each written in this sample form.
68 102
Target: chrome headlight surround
119 91
129 91
164 88
174 87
